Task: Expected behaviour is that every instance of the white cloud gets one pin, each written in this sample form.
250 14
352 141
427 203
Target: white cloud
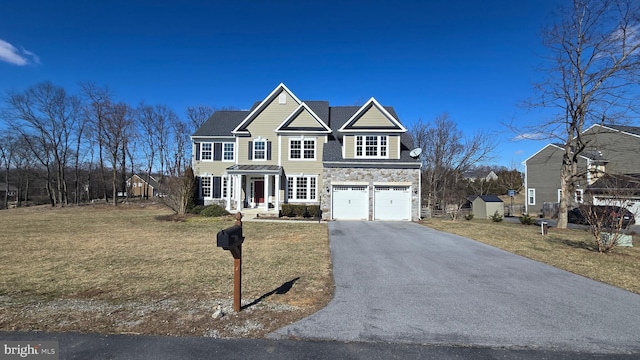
13 55
530 136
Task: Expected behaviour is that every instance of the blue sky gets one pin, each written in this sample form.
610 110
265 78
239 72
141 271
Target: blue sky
475 60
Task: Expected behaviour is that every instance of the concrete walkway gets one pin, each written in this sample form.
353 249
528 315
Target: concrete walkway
402 282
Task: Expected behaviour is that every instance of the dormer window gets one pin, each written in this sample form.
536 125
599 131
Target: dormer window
372 146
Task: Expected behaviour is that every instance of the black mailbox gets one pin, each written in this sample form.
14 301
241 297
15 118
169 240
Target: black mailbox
230 238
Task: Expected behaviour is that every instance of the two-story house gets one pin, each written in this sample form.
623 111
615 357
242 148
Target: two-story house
353 161
611 149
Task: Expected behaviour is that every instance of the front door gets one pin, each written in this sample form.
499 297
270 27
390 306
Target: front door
258 191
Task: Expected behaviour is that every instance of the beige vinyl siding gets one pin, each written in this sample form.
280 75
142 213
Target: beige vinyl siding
305 119
211 167
263 126
373 117
302 166
393 141
349 144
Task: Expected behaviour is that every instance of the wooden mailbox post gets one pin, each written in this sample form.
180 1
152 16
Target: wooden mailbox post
231 239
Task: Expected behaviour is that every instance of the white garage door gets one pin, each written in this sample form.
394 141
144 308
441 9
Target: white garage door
392 203
350 202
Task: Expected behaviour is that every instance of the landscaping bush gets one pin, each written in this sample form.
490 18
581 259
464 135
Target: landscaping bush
469 216
196 209
214 211
496 217
288 210
526 219
313 211
301 210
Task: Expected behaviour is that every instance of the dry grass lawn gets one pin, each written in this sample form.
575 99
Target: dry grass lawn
129 270
569 249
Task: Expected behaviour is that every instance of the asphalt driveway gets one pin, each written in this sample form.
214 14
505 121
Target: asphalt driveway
403 282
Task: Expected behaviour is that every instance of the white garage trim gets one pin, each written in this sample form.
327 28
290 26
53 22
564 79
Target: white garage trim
392 202
350 202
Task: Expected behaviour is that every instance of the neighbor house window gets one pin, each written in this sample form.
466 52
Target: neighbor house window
373 146
579 196
259 150
206 151
300 149
531 196
227 151
302 188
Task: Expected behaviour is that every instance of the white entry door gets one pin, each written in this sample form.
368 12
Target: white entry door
350 202
392 203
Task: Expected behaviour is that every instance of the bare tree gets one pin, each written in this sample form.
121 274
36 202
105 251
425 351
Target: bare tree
447 154
116 127
46 116
197 115
7 154
592 71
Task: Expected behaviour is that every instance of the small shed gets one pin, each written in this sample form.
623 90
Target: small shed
484 206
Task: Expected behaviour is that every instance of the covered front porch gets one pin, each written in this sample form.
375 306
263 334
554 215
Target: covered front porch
255 187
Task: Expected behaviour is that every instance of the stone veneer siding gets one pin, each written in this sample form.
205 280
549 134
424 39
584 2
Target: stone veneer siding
371 176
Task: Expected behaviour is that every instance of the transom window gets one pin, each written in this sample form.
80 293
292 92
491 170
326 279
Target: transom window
373 146
260 150
302 188
206 151
302 149
227 151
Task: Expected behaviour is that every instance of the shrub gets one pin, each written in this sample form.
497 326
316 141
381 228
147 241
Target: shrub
469 216
496 217
288 210
526 219
300 210
196 209
214 211
313 211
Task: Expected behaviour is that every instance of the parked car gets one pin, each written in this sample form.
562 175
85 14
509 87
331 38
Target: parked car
610 215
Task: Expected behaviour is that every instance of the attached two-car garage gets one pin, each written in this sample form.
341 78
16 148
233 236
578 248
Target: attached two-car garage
352 202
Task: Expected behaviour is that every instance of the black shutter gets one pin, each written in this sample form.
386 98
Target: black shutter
268 150
217 187
217 151
197 151
250 150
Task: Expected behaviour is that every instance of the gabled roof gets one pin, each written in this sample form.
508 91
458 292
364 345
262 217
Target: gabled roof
242 127
631 130
351 125
291 125
221 123
486 198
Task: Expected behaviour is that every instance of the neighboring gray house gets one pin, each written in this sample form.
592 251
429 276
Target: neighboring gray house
485 206
611 149
353 161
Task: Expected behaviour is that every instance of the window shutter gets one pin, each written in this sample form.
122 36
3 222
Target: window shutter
217 151
250 150
268 150
217 187
197 151
199 181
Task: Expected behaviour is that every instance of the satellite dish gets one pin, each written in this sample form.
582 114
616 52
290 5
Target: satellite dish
415 153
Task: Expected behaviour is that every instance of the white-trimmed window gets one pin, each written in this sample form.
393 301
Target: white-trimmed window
372 146
302 149
228 153
579 196
302 188
259 150
206 151
205 184
531 196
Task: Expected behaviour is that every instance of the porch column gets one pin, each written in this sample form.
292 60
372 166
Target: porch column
277 194
237 191
229 179
266 192
247 190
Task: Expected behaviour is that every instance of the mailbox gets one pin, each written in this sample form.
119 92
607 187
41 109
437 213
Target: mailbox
230 238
